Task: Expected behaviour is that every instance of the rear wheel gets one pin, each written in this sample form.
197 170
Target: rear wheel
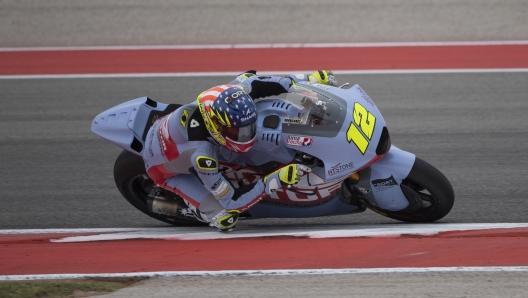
134 184
433 190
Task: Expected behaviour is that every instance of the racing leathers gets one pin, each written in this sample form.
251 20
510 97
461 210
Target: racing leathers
181 156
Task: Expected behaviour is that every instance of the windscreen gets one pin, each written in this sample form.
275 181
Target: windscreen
316 109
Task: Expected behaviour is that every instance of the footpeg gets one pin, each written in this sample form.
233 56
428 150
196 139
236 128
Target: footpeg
350 195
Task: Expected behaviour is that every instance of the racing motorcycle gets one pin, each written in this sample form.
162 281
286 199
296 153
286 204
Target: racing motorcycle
337 131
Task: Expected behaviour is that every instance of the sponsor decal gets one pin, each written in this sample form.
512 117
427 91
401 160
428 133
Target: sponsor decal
300 141
252 115
206 163
160 143
221 189
216 184
229 99
238 94
307 195
151 139
320 192
293 120
221 195
339 168
255 201
208 173
365 96
324 87
384 184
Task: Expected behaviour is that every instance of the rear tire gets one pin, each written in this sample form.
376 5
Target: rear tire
432 187
133 183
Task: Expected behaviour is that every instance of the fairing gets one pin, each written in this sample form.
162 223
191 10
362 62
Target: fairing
342 128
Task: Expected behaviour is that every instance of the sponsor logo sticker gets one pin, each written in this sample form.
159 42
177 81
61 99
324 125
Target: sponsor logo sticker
339 168
293 120
220 195
300 141
216 184
221 189
365 96
384 184
324 87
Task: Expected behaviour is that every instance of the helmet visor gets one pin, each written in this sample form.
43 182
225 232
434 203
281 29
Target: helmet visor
240 134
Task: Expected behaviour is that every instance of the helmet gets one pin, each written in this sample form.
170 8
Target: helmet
230 116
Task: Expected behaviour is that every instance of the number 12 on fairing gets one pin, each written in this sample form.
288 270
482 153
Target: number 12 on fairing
362 128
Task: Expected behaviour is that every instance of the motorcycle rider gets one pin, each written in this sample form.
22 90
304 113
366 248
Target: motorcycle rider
182 148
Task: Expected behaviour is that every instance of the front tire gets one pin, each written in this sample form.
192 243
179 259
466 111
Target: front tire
435 191
133 183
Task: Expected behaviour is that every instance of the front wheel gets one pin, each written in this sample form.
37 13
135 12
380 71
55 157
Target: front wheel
434 190
133 183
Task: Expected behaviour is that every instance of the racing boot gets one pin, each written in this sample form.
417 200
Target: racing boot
225 221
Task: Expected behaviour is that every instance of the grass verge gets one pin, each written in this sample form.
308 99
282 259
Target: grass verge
71 288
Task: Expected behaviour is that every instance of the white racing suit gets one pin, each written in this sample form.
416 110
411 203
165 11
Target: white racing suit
181 156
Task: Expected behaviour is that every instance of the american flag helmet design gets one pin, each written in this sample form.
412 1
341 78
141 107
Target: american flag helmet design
226 108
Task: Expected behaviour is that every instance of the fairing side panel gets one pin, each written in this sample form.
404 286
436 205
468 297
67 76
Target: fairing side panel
333 206
382 184
124 125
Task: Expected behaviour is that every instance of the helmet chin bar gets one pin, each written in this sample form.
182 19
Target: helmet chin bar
238 146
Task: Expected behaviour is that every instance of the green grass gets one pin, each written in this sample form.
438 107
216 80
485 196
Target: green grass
58 288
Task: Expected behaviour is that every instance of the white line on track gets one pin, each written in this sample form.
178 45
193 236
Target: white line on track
310 231
281 72
65 231
269 46
161 274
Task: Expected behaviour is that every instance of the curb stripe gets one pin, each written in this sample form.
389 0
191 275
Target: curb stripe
267 46
414 59
374 246
278 72
311 231
270 272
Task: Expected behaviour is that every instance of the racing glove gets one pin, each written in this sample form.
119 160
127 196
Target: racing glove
326 77
290 174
